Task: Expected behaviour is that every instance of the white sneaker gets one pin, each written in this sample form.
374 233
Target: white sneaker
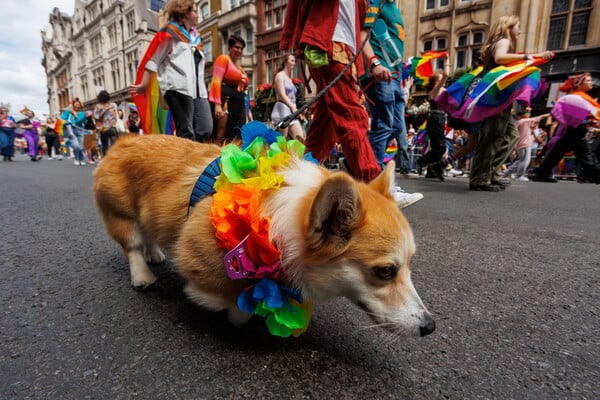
456 172
404 199
50 158
410 175
523 179
76 162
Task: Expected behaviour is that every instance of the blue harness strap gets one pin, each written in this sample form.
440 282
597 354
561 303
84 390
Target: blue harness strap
204 184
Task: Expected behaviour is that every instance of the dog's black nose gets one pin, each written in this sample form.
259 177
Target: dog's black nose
428 326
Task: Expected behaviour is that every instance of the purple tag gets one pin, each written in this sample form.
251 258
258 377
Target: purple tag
237 261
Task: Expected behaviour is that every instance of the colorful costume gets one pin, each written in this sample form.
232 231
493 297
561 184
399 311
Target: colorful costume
228 86
572 112
176 60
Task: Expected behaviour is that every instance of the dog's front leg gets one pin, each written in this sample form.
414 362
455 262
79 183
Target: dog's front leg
238 317
141 276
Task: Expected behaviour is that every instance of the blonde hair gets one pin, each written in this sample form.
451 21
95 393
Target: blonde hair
500 30
176 10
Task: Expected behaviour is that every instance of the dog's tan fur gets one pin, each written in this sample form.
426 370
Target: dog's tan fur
337 236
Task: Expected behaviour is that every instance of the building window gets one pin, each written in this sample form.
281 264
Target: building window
207 48
116 74
130 18
204 11
131 68
156 5
432 4
568 23
98 78
112 35
251 84
272 61
84 87
96 45
81 56
468 46
249 41
274 13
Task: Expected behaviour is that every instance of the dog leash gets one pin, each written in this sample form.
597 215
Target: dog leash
288 120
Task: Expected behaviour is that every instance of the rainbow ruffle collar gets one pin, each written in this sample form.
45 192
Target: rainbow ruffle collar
247 174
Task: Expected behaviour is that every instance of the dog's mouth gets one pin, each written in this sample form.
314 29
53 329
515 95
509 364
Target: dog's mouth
426 326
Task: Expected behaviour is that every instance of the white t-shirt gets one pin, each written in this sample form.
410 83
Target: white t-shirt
345 28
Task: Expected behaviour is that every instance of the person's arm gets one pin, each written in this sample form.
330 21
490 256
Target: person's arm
214 93
160 54
502 54
374 66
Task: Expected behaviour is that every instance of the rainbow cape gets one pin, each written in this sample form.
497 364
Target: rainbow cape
154 113
421 67
474 100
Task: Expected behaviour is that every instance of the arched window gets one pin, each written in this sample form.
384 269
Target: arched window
468 46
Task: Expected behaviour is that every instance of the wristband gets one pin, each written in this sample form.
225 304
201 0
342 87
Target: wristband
373 57
374 64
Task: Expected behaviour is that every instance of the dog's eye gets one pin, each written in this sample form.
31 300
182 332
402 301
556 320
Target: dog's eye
386 273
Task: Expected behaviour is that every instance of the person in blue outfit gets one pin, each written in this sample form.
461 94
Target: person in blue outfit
7 134
385 97
74 117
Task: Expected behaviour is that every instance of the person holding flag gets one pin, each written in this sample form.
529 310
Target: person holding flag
574 112
486 95
74 121
173 68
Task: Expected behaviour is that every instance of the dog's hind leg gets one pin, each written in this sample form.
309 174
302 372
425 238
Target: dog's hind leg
154 254
128 234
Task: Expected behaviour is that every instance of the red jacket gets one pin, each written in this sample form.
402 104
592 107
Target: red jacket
313 22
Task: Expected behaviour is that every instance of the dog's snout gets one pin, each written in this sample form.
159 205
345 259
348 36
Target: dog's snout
428 326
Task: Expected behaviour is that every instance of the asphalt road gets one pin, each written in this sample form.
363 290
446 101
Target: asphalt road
511 278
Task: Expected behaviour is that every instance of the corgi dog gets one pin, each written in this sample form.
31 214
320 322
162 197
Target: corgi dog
336 236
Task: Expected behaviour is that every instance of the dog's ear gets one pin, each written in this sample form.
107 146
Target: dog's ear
384 183
335 213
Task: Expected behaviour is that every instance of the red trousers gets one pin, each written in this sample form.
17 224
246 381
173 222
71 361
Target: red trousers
340 118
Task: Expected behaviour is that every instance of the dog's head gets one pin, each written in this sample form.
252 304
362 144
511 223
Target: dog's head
354 242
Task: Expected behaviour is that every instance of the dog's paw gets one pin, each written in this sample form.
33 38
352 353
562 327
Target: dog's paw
143 283
155 256
238 317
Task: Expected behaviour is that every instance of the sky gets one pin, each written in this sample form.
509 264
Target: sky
22 77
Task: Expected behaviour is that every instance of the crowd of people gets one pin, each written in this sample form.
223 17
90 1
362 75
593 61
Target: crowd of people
83 136
358 46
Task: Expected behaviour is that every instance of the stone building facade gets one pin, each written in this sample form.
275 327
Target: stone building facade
98 47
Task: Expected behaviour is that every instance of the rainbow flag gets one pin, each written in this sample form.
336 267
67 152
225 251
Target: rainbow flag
573 109
24 110
421 67
390 153
153 111
59 126
475 97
